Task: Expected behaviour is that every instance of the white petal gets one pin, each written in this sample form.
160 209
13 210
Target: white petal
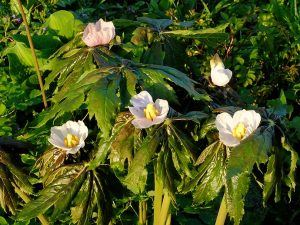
221 77
159 119
137 112
228 140
83 130
162 106
216 62
142 123
141 100
224 123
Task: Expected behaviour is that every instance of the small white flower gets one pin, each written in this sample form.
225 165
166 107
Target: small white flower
234 129
146 112
69 137
219 75
99 33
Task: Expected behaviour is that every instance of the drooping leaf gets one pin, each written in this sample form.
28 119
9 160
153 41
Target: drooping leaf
214 178
56 191
8 198
18 176
271 179
122 121
137 172
195 116
182 151
236 190
290 181
165 170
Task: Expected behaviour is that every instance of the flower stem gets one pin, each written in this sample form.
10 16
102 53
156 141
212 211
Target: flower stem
36 64
142 212
164 212
158 194
26 199
222 212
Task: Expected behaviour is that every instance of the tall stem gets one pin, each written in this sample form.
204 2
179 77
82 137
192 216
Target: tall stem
164 212
222 212
158 194
26 199
36 64
142 212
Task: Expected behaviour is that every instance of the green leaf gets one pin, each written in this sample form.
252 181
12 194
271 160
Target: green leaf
155 83
154 55
131 81
53 193
103 102
180 79
253 149
236 189
63 23
271 179
195 116
159 24
20 58
165 170
123 121
210 35
182 151
214 177
290 181
137 172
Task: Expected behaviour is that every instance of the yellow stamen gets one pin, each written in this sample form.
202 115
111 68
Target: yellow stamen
239 131
150 111
71 140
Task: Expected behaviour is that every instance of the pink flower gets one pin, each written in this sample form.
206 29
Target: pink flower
100 33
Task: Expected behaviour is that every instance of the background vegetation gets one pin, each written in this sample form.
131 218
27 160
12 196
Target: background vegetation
164 47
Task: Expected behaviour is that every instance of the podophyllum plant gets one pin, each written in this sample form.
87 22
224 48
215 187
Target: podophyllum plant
186 141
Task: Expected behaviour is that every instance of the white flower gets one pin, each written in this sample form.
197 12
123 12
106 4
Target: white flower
146 112
100 33
69 137
219 75
234 129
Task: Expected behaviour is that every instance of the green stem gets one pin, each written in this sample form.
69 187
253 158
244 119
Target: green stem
158 194
36 64
26 199
222 212
142 212
164 209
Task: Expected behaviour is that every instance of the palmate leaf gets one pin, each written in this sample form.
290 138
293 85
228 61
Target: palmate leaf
103 102
137 173
60 189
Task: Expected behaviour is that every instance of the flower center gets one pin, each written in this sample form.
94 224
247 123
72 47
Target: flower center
150 111
71 140
239 131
